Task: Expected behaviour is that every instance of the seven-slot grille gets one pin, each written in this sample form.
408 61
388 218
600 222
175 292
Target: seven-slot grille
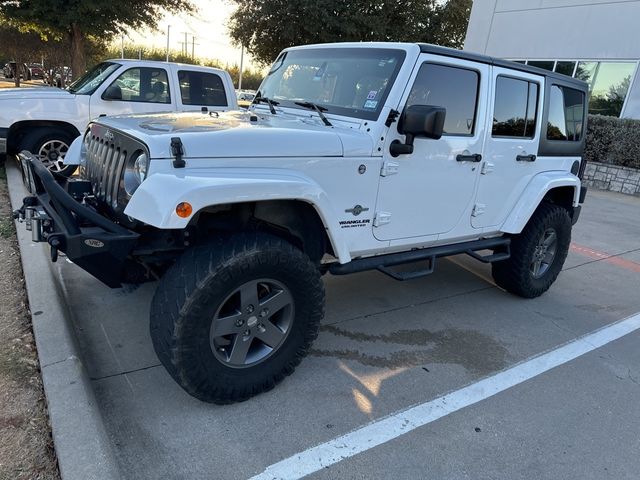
107 153
103 168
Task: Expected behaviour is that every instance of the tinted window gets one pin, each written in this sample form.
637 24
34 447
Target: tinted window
566 113
200 88
455 89
514 112
147 85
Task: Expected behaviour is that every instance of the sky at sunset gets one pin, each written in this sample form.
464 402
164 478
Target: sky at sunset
208 26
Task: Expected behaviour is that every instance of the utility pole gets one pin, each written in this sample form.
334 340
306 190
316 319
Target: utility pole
185 44
168 30
122 45
241 65
193 47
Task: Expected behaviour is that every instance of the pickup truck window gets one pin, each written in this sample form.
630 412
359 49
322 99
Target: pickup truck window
453 88
90 81
141 84
353 82
515 107
200 88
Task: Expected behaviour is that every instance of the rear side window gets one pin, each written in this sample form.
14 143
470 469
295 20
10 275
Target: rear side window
515 108
454 88
566 114
201 88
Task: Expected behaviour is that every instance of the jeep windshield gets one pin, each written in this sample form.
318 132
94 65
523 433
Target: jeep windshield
90 81
353 82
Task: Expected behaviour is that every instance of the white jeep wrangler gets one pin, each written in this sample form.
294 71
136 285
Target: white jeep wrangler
46 120
354 156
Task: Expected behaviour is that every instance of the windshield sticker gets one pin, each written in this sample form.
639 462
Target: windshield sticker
372 94
372 104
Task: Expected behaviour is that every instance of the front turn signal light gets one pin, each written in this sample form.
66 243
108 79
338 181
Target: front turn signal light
184 209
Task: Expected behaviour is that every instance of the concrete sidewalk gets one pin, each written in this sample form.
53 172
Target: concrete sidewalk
81 443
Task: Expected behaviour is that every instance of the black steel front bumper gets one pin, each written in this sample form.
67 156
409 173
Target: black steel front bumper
68 224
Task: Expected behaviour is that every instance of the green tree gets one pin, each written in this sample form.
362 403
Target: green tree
265 27
80 20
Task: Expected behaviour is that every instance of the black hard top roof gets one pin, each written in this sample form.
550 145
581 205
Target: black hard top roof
476 57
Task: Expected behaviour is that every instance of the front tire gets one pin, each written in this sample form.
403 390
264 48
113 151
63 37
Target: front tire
50 145
231 319
537 254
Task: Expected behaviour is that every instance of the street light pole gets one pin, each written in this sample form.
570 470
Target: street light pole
241 65
122 45
168 30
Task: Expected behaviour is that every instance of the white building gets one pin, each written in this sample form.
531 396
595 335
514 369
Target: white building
595 40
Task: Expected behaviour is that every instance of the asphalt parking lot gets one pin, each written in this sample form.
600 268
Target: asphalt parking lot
386 346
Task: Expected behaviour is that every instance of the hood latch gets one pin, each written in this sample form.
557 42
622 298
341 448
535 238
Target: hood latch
178 152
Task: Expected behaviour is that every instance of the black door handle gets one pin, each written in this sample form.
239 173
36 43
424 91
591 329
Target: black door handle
526 158
474 157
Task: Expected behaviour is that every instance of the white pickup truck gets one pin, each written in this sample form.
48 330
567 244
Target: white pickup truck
46 120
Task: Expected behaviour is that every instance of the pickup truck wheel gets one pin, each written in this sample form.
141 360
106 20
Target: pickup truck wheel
232 318
50 145
537 254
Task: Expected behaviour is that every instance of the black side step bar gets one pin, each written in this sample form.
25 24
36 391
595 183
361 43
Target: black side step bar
500 247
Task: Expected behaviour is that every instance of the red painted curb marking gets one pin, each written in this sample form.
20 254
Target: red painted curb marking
605 257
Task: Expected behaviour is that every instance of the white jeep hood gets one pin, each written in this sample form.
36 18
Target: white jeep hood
235 135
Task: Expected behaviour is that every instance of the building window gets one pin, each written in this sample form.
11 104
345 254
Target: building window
544 64
565 68
586 71
610 87
514 111
609 82
566 111
453 88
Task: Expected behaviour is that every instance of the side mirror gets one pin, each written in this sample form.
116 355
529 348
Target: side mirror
114 92
425 121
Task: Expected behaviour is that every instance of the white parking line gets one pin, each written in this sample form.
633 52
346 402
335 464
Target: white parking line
397 424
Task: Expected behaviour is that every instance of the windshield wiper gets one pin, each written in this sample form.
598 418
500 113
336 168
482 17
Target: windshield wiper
317 108
272 103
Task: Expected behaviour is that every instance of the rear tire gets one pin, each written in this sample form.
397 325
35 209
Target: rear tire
537 254
231 319
50 145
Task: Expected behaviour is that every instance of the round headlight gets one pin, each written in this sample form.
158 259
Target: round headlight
140 166
135 171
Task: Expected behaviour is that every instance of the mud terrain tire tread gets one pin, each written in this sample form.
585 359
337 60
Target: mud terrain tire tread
514 274
187 296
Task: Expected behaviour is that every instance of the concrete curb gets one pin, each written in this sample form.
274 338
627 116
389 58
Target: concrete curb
80 439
